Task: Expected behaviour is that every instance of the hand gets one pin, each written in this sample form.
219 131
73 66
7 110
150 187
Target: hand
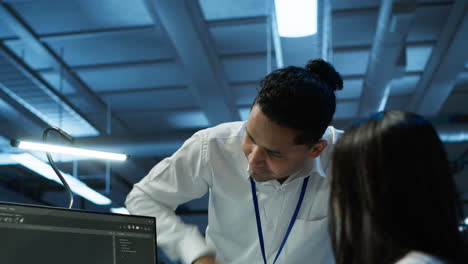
206 260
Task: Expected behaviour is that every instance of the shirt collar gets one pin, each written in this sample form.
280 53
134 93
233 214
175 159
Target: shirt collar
310 167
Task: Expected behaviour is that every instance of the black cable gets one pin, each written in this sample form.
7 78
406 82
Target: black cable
52 163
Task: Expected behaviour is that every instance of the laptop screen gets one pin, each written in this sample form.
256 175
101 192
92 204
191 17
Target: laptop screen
39 234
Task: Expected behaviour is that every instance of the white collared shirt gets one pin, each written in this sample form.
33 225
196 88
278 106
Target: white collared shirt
417 257
212 161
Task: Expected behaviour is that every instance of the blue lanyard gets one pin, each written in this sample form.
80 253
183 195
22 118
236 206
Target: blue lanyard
291 224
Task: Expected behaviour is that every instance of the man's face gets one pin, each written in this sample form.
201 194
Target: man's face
270 148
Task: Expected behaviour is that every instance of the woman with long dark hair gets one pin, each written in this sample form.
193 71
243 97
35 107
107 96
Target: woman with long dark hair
393 197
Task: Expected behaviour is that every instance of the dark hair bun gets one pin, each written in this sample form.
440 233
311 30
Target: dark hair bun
326 73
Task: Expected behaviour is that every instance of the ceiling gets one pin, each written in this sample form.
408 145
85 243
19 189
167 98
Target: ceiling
140 76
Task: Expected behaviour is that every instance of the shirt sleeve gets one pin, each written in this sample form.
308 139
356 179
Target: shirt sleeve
175 180
415 257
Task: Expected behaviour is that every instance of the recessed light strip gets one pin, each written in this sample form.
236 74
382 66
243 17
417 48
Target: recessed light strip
68 150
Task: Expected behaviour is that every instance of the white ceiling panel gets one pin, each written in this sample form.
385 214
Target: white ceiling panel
5 32
81 15
129 46
84 105
462 82
155 121
456 103
224 9
32 58
60 84
397 102
242 69
148 121
417 57
404 85
298 51
346 109
245 93
136 76
351 62
361 4
187 119
354 29
429 22
249 38
352 89
150 100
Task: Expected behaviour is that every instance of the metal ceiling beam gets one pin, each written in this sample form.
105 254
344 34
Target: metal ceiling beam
188 32
361 47
98 33
115 65
354 11
237 21
85 34
387 59
276 39
447 60
325 26
28 36
245 55
149 89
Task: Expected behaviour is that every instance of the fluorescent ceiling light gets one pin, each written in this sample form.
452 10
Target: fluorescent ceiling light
296 18
68 150
46 171
120 210
466 221
5 159
454 137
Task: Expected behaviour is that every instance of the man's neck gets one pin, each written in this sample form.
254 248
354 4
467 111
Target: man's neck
282 179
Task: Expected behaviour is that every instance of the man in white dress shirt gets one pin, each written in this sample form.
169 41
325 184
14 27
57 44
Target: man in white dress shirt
266 178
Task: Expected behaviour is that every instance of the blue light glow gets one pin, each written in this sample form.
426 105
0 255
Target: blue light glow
46 171
454 137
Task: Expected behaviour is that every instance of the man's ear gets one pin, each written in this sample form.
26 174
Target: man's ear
317 148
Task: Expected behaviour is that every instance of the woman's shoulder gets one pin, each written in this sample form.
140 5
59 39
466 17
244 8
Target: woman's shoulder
416 257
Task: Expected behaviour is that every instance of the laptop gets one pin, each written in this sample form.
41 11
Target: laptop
49 235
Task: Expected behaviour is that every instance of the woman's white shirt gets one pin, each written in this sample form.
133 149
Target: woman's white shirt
416 257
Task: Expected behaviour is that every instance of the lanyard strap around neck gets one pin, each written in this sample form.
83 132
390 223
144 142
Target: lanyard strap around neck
291 223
